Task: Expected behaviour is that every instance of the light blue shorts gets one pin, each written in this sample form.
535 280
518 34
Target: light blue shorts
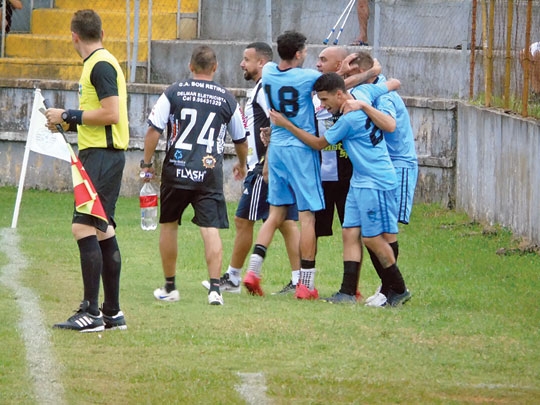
294 175
407 178
374 211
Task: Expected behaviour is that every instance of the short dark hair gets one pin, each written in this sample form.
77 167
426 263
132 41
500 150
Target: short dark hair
330 82
289 43
203 59
363 60
87 25
262 49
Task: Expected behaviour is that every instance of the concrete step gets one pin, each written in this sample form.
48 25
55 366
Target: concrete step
57 22
186 6
47 46
53 69
47 52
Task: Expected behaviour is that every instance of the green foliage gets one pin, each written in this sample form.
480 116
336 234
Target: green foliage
515 105
469 335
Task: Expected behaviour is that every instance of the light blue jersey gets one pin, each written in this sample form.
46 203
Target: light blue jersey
289 92
365 145
400 143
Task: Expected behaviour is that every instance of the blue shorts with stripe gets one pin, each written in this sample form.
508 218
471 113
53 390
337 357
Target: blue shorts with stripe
407 177
375 211
253 205
294 175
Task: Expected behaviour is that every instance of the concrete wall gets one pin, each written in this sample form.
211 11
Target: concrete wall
441 73
433 122
498 170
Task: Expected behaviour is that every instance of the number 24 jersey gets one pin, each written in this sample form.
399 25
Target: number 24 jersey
197 114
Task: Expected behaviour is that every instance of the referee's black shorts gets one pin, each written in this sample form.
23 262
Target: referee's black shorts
105 168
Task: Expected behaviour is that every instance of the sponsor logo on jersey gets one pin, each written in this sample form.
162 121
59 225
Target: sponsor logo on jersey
209 161
197 176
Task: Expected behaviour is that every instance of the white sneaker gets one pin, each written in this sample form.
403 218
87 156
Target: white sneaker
380 300
162 295
372 297
225 284
215 298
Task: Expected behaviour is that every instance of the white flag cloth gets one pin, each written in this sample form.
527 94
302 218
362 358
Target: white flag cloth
40 139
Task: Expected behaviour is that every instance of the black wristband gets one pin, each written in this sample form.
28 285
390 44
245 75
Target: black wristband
74 117
145 165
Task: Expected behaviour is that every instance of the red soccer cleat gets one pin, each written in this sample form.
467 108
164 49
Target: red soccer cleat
253 284
304 293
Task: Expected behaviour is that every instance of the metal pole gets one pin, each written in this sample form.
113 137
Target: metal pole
128 37
199 13
3 30
527 62
178 11
376 29
149 43
136 12
269 22
473 48
508 56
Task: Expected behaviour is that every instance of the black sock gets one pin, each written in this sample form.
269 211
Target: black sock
91 266
383 275
260 250
395 249
396 279
170 284
351 274
307 264
112 266
214 285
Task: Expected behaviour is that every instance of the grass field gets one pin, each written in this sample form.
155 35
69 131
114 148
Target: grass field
470 334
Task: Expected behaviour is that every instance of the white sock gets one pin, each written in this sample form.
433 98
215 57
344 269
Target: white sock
295 276
255 264
234 274
307 277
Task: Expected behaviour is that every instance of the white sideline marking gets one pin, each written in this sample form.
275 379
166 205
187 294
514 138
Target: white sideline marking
253 388
41 365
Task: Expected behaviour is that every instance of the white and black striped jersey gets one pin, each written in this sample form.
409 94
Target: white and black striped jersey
257 117
197 114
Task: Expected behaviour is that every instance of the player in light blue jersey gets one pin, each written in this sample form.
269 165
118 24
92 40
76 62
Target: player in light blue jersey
293 168
390 114
371 209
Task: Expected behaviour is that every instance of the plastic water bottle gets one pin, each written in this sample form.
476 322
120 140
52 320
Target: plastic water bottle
148 199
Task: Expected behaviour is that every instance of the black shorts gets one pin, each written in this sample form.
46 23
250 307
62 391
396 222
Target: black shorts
253 205
105 168
210 207
335 195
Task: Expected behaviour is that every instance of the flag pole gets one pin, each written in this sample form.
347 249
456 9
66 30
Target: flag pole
22 177
21 187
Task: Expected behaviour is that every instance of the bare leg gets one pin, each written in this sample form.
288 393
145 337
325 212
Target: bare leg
362 9
213 250
308 240
291 235
168 247
242 242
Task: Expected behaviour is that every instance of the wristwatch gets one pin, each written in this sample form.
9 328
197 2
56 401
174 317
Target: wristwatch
145 165
65 116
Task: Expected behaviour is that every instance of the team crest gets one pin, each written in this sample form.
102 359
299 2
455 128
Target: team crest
209 161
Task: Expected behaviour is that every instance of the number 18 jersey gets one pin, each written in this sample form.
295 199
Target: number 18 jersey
289 92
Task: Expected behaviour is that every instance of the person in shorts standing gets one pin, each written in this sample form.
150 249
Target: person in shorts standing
103 136
197 113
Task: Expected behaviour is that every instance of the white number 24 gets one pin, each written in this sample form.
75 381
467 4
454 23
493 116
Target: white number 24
205 137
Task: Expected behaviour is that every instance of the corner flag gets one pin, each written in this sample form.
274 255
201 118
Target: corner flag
87 200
